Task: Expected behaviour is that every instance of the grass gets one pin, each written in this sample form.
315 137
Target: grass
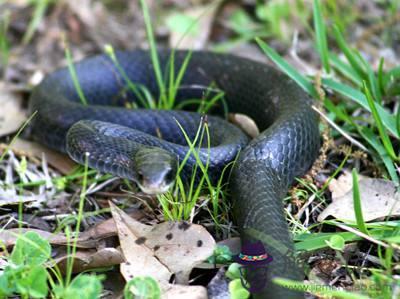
4 43
365 90
16 135
357 203
26 270
181 201
190 195
72 254
143 95
269 21
39 10
355 80
352 79
28 276
72 72
178 204
169 80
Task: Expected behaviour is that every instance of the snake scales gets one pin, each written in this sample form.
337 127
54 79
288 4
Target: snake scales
267 165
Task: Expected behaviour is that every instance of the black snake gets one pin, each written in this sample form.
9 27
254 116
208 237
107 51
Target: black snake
265 168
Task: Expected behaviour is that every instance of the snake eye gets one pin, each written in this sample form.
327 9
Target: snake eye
140 176
170 176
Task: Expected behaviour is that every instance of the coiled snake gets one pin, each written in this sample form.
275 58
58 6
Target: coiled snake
266 166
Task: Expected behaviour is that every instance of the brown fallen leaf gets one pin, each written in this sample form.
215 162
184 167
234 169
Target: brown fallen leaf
245 123
191 28
106 228
176 291
180 246
342 185
249 51
161 250
140 259
8 200
379 198
59 161
87 239
90 259
8 237
12 115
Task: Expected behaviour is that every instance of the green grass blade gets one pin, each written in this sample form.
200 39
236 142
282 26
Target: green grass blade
171 79
388 120
82 197
182 70
392 74
376 144
398 120
382 132
218 97
333 175
73 74
38 14
320 35
4 43
368 135
352 59
381 77
173 82
153 51
346 70
372 81
311 242
141 92
357 204
301 80
16 135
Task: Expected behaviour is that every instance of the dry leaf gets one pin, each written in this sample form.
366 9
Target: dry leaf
378 199
8 237
190 28
249 51
11 114
140 259
342 185
90 259
175 291
245 123
12 199
161 250
59 161
106 228
87 239
180 246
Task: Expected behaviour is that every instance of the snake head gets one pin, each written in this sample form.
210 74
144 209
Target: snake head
155 170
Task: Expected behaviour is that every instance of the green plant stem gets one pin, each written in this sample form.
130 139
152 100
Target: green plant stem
78 224
357 204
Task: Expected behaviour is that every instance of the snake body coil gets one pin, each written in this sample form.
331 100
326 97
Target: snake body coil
266 166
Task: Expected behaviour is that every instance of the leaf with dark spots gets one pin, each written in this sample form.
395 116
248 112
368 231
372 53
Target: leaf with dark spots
184 225
140 240
162 250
